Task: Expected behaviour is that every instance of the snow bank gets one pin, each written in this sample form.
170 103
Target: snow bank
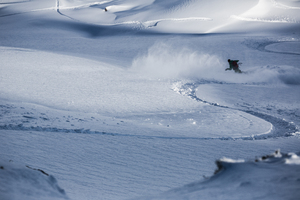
274 176
25 182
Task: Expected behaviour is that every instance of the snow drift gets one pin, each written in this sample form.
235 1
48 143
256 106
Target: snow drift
25 182
275 176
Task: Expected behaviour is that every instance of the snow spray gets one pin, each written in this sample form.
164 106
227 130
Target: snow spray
168 61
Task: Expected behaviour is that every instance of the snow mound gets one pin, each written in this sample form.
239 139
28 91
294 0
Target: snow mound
274 176
20 182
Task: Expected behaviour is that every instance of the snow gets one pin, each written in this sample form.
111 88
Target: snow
130 99
255 174
26 182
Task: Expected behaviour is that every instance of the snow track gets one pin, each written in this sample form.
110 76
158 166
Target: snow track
282 128
85 95
20 127
27 120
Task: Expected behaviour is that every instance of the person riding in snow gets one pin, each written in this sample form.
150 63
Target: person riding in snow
233 64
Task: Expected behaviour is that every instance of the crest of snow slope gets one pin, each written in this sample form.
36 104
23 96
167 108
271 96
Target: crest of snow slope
272 11
166 16
139 14
173 16
266 15
187 16
20 182
275 176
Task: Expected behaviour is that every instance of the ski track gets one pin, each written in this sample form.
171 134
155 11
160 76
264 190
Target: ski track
282 128
261 46
20 127
15 124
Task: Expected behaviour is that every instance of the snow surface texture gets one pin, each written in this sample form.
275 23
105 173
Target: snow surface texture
18 181
125 99
246 179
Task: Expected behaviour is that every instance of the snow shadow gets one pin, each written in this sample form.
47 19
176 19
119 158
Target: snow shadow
89 30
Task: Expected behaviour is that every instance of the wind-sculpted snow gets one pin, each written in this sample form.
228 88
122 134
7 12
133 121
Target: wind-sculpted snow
272 20
25 182
270 11
274 176
284 4
169 16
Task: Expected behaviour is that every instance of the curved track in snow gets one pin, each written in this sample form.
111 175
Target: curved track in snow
282 128
261 45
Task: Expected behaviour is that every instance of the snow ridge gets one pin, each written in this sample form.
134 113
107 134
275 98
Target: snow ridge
279 5
278 20
28 183
237 179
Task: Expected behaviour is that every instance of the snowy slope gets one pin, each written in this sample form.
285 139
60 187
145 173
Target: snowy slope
18 181
123 99
274 176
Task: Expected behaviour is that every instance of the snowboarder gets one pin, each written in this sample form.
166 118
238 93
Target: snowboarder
233 64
